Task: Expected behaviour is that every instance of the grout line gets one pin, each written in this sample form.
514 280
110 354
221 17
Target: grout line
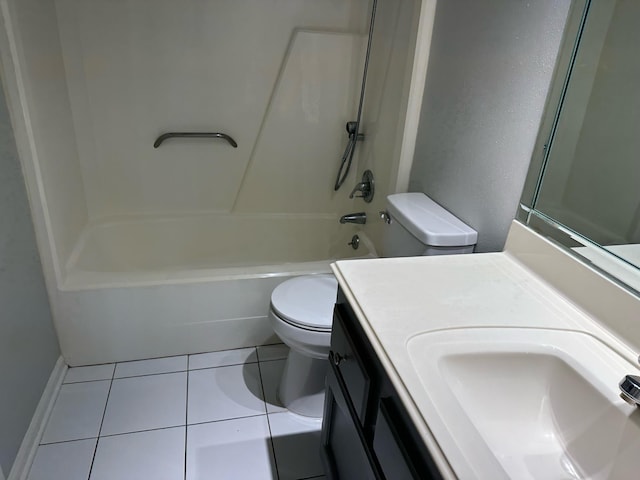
151 374
170 372
264 399
152 358
227 419
95 365
273 360
189 368
165 428
88 381
68 441
226 350
245 362
146 430
271 345
104 413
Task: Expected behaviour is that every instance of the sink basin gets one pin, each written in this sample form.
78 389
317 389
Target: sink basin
527 403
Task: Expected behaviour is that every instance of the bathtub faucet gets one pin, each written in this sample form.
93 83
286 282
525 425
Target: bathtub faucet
360 217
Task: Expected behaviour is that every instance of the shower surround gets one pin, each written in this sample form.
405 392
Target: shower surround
162 251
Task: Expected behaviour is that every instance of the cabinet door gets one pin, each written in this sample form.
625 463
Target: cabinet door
388 446
347 357
345 454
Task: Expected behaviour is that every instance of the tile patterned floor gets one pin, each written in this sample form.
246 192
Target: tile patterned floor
196 417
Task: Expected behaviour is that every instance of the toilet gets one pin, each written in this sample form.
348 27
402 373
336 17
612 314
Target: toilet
301 310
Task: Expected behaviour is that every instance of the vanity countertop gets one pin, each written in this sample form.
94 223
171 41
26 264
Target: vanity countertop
396 299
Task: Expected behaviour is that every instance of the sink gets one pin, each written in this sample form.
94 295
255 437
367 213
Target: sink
527 403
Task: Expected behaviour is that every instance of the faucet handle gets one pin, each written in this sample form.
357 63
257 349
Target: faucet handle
366 187
630 389
360 187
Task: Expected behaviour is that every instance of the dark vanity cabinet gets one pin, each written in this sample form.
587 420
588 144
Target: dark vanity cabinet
366 432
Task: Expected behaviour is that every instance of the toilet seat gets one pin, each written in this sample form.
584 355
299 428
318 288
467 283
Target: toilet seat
306 302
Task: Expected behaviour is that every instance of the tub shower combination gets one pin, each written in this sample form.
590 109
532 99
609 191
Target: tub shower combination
171 194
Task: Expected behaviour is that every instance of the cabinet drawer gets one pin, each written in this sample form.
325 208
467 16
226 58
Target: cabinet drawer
350 364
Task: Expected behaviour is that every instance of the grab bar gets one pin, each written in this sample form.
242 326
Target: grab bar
166 136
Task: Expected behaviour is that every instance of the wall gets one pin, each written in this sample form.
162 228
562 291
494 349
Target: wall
40 102
28 345
490 66
280 76
385 108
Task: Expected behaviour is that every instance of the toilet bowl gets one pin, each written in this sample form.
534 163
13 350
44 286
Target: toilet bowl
302 308
301 315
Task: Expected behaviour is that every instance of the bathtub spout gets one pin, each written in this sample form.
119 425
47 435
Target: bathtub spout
360 218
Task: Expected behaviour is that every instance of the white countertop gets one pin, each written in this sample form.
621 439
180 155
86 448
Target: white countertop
396 299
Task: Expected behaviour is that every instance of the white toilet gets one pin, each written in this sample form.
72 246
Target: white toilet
301 310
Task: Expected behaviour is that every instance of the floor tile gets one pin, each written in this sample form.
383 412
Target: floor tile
151 367
271 373
296 442
67 460
77 412
225 392
272 352
144 403
222 359
157 455
230 450
90 373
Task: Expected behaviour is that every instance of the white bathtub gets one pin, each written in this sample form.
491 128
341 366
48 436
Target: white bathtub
145 288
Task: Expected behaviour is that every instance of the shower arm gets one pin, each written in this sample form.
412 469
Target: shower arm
166 136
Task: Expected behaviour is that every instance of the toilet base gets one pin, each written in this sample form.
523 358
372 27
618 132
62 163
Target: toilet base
302 385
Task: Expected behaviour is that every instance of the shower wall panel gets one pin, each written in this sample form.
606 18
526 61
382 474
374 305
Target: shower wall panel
293 166
136 69
44 129
386 101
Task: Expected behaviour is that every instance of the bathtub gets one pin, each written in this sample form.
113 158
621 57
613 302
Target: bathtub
152 287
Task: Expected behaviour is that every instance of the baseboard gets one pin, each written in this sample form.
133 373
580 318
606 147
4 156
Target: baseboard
31 440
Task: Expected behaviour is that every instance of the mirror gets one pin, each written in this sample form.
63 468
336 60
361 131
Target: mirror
584 180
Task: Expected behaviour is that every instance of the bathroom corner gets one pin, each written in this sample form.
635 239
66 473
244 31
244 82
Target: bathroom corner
29 349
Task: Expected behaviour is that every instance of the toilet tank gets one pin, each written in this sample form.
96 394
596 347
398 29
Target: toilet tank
419 226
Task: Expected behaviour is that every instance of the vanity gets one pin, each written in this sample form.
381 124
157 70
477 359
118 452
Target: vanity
368 433
508 365
480 366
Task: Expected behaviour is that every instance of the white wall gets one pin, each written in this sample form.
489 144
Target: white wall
40 103
386 102
280 76
28 345
490 66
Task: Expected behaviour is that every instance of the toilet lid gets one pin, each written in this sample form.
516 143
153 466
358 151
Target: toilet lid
306 301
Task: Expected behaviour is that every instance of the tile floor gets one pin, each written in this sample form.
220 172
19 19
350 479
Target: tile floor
207 416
